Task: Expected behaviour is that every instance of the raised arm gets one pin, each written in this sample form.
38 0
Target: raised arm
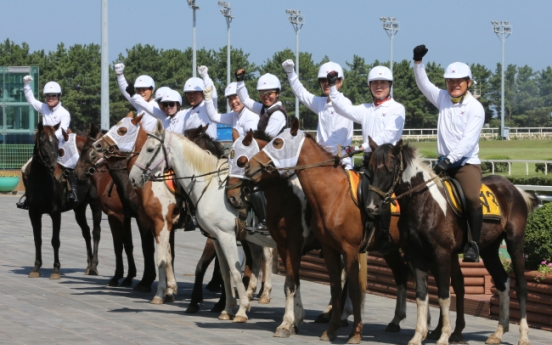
203 72
151 110
305 97
36 104
427 87
244 95
213 114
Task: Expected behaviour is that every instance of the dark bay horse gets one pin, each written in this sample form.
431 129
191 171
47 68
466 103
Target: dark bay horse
435 235
336 221
47 194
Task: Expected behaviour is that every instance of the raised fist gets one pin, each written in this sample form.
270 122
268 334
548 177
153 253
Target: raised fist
419 52
288 66
208 93
119 68
332 78
202 70
240 74
27 79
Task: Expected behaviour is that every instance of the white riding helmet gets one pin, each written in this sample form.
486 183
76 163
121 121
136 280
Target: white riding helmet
380 73
268 82
52 87
194 84
144 81
328 67
231 89
171 96
457 70
160 92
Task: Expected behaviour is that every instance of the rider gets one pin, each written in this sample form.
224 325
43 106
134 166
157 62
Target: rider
52 113
273 119
332 130
144 86
383 121
461 119
197 115
169 114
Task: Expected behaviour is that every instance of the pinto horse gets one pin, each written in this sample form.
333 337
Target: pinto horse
434 234
46 194
336 221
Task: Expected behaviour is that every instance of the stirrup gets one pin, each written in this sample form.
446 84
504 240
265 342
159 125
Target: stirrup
471 252
22 204
191 224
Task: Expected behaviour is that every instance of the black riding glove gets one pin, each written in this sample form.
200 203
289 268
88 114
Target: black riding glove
130 90
240 74
332 78
442 166
419 52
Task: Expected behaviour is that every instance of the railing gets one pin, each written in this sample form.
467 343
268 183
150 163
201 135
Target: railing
14 156
509 162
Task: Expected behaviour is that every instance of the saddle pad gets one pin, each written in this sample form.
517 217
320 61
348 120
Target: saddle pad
491 209
170 182
354 181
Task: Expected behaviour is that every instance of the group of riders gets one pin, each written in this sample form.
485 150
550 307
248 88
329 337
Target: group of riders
461 118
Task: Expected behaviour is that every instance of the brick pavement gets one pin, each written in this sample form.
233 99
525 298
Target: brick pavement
82 309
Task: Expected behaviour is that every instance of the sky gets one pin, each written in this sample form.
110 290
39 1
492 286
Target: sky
452 30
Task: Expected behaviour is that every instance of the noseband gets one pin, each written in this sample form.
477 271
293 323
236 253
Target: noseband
396 178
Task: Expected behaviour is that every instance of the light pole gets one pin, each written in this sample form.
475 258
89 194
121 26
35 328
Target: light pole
296 20
391 27
225 10
192 4
503 31
104 81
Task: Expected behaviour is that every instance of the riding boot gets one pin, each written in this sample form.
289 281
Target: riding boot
72 196
23 204
385 243
258 202
475 221
191 222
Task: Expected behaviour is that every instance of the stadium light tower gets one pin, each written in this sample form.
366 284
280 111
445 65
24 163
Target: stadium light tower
104 75
296 20
193 6
503 31
225 10
391 27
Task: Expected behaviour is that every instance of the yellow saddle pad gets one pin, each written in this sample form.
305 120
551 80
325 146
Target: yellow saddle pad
354 181
170 182
491 209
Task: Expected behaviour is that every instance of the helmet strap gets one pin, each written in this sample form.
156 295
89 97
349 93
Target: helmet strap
458 99
378 102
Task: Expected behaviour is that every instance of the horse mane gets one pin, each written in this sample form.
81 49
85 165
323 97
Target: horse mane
262 135
197 157
212 145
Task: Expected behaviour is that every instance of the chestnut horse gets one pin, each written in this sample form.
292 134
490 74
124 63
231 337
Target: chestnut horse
47 194
434 234
336 221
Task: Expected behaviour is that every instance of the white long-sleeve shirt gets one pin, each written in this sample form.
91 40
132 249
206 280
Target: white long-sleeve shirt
243 121
173 123
277 120
195 117
50 117
384 123
148 122
459 125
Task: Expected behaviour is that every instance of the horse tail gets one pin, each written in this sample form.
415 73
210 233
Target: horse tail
530 199
362 276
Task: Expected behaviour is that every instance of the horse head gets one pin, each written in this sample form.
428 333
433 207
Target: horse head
89 159
120 137
280 153
151 158
46 145
200 137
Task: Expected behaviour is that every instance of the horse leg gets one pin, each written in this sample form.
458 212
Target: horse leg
56 227
333 263
80 217
197 293
422 301
36 222
172 287
515 249
400 273
215 284
227 313
148 249
129 249
164 259
491 259
96 234
266 286
457 281
442 279
256 263
351 259
116 224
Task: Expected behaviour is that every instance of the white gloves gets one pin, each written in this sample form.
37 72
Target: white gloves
202 70
27 79
288 66
119 68
208 92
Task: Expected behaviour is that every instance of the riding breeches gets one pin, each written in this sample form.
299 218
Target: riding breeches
469 177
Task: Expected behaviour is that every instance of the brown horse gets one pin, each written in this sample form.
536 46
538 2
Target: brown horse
336 221
434 234
47 194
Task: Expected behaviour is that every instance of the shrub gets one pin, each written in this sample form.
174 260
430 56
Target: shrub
539 167
8 174
531 180
538 237
498 167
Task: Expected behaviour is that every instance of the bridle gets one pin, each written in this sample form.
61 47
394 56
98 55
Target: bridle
41 159
111 151
152 164
396 178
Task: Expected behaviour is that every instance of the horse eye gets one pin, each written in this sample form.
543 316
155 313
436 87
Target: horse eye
150 149
122 131
61 152
277 143
242 162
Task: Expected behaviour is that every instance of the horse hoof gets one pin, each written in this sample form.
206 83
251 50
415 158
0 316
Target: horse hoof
327 337
34 274
192 309
224 316
113 282
91 272
493 340
393 328
157 300
322 318
457 339
127 282
344 323
169 298
282 333
217 308
239 319
355 339
264 300
55 276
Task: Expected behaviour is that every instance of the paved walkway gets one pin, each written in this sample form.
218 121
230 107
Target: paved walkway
80 309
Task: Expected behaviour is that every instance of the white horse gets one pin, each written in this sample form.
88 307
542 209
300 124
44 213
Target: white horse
201 175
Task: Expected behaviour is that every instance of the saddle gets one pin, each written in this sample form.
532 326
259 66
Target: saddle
359 185
170 182
456 199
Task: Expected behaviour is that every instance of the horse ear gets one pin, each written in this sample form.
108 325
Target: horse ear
40 127
65 135
399 145
137 119
56 127
235 134
159 127
93 130
204 129
130 114
373 145
248 138
294 126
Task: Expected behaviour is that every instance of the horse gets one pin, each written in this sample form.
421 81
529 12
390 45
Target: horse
435 234
336 221
46 194
201 175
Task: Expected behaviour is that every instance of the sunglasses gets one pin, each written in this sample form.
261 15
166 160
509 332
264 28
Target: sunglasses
168 104
51 95
266 93
142 89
